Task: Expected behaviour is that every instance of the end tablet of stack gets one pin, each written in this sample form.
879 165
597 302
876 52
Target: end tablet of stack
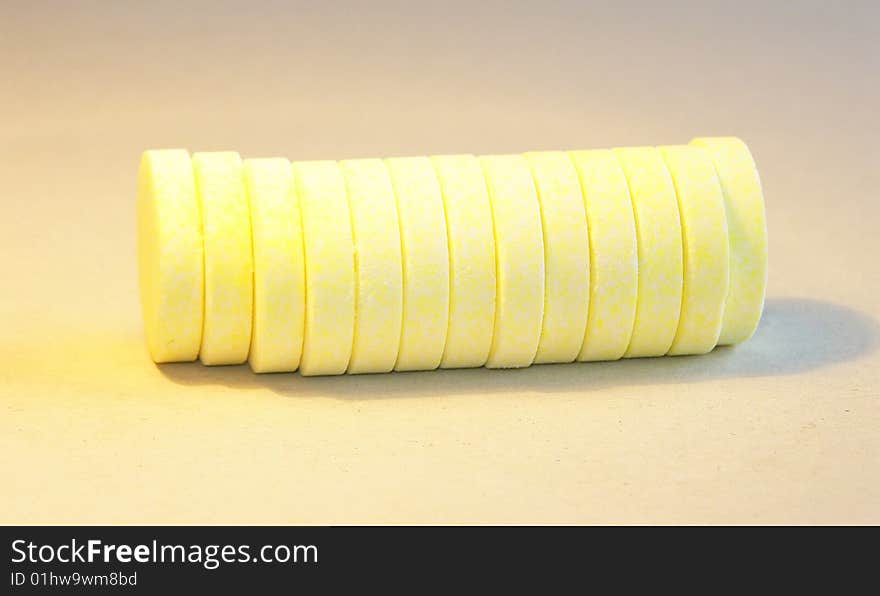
170 256
747 230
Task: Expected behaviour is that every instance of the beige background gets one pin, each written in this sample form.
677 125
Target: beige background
785 428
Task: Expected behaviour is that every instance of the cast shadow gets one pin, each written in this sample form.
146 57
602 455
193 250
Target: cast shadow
795 335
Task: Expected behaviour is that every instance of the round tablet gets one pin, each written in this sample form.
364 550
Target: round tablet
169 255
226 231
705 245
747 230
279 270
566 257
613 255
329 259
425 263
519 261
471 261
658 231
378 269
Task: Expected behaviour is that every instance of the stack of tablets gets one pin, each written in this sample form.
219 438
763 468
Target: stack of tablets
372 265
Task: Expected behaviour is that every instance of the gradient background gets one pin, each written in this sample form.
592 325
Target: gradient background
785 428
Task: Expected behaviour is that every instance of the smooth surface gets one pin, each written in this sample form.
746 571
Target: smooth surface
566 256
658 235
471 261
783 428
170 261
330 275
705 248
614 260
279 266
226 242
747 230
425 262
377 265
519 260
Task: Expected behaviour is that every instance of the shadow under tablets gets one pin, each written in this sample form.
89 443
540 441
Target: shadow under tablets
795 335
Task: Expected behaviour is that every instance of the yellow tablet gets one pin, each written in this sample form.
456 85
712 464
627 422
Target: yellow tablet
705 245
747 229
613 255
519 254
566 256
170 255
279 268
658 232
329 268
226 232
471 261
378 268
425 262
